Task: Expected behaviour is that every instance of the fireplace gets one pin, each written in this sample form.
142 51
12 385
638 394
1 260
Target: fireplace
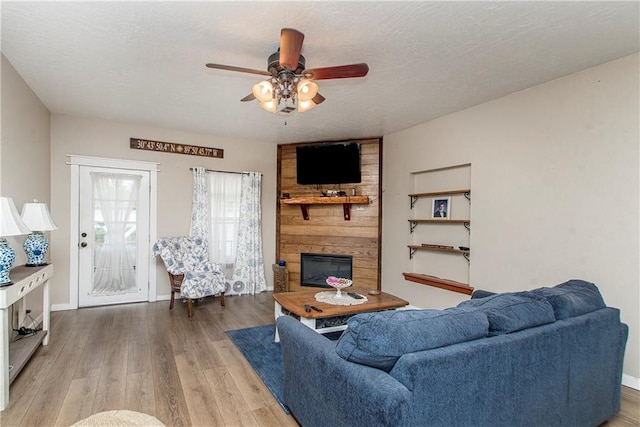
315 268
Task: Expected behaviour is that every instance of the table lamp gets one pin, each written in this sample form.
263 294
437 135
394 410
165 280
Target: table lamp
36 216
10 225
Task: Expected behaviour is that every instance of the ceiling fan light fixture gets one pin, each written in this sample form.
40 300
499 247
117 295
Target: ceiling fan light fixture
269 105
307 90
263 91
305 105
289 86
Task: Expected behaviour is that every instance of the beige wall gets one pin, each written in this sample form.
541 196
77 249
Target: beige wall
24 164
103 138
555 191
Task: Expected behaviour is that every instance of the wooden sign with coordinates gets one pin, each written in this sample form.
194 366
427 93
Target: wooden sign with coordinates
174 147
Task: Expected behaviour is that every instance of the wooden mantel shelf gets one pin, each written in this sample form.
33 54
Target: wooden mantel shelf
437 282
345 201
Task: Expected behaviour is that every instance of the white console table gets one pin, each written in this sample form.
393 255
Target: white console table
18 353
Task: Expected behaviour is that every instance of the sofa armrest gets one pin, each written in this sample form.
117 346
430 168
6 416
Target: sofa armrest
572 368
323 389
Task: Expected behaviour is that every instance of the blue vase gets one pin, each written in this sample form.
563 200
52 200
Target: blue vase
36 246
7 256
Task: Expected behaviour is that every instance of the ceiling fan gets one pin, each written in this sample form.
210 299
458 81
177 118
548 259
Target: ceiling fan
290 86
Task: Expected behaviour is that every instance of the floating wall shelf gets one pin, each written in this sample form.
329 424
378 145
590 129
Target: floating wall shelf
414 248
437 282
414 222
415 196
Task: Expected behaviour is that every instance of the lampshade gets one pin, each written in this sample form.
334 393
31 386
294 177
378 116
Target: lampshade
270 105
10 222
263 91
286 93
36 216
306 90
305 105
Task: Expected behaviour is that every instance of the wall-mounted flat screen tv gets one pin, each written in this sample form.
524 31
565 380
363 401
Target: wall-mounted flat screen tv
330 163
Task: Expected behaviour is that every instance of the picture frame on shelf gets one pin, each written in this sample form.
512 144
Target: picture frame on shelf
441 208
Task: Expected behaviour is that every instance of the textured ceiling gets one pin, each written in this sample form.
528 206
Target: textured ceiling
144 62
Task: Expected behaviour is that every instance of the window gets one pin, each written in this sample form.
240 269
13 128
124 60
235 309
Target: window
224 204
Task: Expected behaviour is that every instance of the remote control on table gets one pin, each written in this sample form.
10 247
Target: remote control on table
354 295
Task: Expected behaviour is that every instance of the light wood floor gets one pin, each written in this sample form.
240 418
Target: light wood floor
143 357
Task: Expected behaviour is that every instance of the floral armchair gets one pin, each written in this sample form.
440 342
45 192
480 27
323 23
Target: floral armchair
190 271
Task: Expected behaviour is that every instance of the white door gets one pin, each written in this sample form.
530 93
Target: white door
113 240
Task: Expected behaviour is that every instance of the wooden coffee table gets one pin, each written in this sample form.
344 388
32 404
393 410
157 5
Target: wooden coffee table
333 317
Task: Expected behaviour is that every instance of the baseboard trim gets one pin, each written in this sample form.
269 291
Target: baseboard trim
62 307
629 381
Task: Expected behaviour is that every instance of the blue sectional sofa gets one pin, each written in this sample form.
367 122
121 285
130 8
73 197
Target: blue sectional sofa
546 357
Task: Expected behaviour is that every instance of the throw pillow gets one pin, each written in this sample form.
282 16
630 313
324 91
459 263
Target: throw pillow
511 312
379 339
572 298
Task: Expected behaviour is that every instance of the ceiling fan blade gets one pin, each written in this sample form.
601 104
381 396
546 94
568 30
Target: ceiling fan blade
239 69
318 99
290 48
249 97
339 72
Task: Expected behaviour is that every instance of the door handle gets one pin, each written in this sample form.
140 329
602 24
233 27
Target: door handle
83 244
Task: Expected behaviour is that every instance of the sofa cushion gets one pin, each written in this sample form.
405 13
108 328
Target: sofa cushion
572 298
511 312
379 339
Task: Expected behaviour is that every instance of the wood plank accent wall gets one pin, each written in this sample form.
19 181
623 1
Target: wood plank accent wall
326 231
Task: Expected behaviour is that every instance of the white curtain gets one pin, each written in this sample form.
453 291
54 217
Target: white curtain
248 272
225 191
200 203
116 198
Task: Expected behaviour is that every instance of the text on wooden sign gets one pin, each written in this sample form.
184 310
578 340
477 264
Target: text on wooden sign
173 147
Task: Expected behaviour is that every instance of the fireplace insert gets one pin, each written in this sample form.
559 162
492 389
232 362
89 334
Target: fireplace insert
315 268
